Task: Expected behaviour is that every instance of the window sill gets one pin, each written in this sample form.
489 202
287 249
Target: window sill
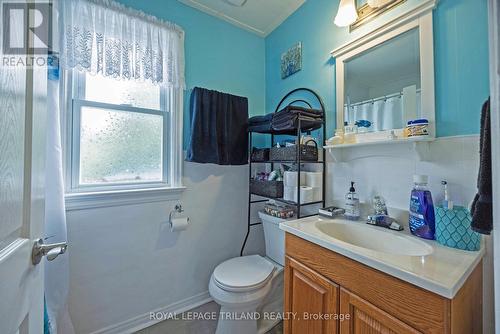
102 199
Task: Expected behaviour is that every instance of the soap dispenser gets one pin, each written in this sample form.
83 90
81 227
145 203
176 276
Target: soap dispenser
352 210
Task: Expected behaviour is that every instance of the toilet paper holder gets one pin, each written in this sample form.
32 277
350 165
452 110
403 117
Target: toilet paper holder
177 209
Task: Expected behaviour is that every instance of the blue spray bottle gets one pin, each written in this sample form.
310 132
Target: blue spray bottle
422 220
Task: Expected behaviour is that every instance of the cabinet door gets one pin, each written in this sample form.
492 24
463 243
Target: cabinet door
361 317
311 301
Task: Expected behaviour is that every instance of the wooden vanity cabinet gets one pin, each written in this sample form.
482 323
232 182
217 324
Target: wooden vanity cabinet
326 292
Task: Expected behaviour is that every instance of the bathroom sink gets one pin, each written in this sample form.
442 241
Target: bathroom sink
375 239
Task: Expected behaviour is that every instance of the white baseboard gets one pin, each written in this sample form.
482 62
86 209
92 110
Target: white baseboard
143 321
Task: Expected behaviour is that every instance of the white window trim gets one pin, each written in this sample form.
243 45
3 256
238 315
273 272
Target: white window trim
103 199
115 195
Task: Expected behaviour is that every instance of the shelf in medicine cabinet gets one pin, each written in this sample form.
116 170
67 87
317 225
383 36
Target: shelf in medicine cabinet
417 147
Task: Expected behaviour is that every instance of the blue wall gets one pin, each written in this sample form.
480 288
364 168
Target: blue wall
223 57
219 55
461 58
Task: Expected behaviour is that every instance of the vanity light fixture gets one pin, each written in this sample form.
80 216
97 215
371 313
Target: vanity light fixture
347 13
377 3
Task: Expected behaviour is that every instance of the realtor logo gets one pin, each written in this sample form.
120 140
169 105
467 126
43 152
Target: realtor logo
26 28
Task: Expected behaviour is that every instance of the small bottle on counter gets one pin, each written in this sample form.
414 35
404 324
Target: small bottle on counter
350 133
352 209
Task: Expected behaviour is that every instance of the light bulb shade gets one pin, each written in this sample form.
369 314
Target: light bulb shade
347 13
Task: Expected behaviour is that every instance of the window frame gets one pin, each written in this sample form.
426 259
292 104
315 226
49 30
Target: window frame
170 100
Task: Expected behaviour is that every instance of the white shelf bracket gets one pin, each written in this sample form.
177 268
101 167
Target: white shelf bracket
337 155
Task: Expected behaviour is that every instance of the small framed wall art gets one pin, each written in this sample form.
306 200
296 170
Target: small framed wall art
291 60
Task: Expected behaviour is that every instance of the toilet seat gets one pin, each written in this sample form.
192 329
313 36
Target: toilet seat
243 274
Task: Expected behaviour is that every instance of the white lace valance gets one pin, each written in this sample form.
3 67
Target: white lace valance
104 37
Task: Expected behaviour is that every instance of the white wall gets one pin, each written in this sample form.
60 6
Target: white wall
455 159
124 261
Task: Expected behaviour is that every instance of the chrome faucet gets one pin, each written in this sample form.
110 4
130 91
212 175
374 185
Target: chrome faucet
381 218
384 221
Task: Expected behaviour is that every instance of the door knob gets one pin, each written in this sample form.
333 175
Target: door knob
50 250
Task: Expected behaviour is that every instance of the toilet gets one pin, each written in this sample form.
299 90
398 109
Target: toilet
245 287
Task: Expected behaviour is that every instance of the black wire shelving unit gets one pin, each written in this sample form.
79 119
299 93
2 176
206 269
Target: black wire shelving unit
300 130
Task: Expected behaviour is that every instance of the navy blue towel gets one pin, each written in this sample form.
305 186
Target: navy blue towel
218 128
259 120
285 121
482 207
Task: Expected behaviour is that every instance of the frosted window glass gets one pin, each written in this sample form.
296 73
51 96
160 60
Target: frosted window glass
118 147
127 92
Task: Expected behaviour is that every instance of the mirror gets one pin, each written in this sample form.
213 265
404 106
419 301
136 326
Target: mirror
382 85
385 78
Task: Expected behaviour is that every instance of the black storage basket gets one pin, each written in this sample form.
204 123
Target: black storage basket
259 154
289 153
273 189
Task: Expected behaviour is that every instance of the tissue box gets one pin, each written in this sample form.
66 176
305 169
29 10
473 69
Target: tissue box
453 229
283 212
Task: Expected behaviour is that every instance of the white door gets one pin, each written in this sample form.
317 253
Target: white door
23 94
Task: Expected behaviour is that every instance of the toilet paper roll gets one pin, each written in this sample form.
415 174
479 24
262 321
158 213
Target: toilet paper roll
179 224
306 194
290 179
314 179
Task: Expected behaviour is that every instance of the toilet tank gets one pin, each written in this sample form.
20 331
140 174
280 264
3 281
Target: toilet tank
275 238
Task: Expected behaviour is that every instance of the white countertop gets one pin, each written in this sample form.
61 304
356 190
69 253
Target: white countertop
443 271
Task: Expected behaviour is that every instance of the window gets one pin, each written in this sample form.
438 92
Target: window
121 135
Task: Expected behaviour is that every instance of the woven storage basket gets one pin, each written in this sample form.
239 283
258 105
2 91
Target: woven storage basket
259 154
289 153
273 189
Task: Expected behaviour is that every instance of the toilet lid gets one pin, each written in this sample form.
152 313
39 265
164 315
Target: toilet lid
243 273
